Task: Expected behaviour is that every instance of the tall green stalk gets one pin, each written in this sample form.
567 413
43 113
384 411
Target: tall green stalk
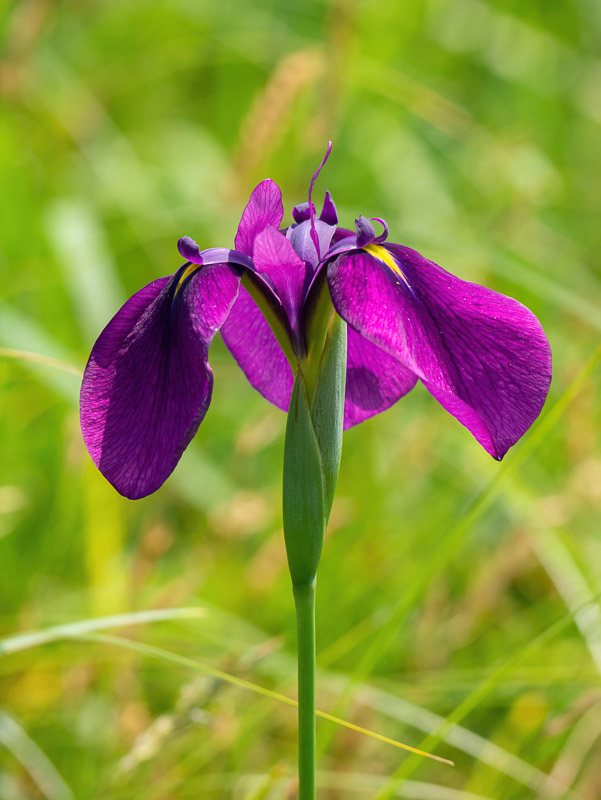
304 600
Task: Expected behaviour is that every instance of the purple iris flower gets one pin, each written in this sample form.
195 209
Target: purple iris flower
147 385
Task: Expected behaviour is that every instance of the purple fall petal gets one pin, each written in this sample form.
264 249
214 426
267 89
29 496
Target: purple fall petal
147 385
374 380
251 341
264 208
482 355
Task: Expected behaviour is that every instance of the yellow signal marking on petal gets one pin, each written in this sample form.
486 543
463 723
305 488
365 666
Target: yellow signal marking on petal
185 274
382 254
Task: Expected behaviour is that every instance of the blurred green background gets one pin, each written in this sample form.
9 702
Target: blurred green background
451 587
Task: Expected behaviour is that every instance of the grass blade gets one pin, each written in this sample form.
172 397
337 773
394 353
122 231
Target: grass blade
198 666
25 641
33 759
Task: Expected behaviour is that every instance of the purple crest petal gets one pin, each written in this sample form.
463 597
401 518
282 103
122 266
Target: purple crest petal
274 256
482 355
365 231
148 384
374 380
251 341
264 208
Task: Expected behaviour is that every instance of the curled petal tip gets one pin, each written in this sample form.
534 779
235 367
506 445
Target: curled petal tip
189 250
384 235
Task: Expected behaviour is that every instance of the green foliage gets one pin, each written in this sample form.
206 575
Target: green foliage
472 127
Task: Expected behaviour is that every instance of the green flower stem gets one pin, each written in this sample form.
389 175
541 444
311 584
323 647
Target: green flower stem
304 600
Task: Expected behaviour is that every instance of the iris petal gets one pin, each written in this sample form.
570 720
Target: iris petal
264 208
274 256
148 384
365 231
329 215
303 242
482 355
374 380
253 344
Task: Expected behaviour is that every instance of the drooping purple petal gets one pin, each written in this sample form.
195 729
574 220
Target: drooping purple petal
147 385
482 355
251 341
274 256
374 380
264 208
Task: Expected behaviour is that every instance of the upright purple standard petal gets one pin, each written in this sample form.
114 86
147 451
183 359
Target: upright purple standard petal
274 256
246 332
264 208
482 355
147 385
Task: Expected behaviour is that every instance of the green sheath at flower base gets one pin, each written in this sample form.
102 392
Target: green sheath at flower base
312 452
327 405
